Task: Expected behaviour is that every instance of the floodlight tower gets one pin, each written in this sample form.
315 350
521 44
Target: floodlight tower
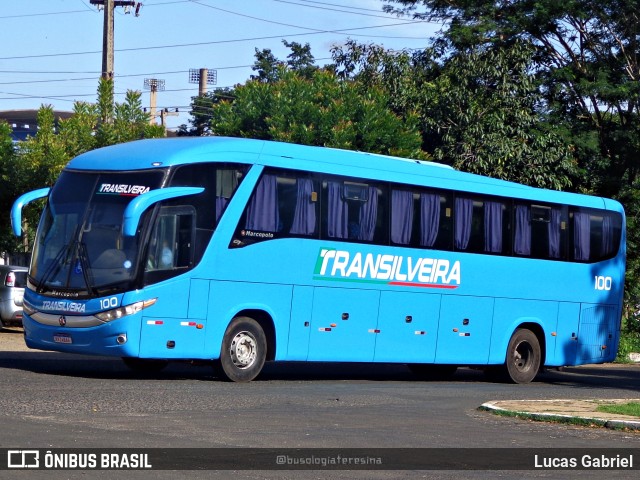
203 77
154 85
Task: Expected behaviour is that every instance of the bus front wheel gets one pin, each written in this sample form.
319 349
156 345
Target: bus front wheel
244 350
523 356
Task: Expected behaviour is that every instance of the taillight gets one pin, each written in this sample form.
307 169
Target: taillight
11 279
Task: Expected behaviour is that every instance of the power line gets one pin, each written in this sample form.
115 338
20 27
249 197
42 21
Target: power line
338 9
219 42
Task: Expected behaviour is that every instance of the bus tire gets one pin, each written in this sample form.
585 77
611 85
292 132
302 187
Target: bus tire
428 371
523 356
243 352
145 365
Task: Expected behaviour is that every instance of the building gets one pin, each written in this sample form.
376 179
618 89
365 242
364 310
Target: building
24 122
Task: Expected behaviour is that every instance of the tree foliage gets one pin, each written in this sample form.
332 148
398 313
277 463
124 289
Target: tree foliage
321 110
478 110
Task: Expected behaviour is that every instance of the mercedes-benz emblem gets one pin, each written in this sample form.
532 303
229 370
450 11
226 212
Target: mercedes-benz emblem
62 320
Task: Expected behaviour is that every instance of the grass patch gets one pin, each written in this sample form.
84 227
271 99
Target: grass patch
630 408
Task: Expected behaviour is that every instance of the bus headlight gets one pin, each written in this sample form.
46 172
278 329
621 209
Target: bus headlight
120 312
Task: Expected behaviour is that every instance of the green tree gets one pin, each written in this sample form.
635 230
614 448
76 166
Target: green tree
201 107
482 110
8 159
588 55
478 110
322 110
269 67
39 162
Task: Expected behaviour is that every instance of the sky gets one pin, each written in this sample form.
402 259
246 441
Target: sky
51 50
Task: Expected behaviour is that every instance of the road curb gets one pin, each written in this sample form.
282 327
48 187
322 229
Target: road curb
576 418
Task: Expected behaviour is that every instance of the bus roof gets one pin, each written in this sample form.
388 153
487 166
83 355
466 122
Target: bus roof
162 153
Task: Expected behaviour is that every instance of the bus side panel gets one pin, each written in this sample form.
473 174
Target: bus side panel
227 299
566 336
408 325
597 335
198 299
176 338
343 324
301 305
464 332
510 314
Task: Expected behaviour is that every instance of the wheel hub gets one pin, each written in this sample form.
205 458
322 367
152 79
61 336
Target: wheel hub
243 350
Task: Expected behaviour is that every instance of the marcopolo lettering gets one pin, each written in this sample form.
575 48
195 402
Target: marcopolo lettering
390 269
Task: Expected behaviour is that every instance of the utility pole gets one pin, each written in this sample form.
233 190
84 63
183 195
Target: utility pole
107 34
154 85
164 113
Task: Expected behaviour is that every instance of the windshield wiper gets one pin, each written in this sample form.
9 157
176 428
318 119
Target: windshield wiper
55 264
84 266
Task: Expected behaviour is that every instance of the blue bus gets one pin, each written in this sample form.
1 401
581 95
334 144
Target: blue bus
239 251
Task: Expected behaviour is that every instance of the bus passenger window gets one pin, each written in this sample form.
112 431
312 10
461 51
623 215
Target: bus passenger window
538 231
354 211
420 219
282 205
596 234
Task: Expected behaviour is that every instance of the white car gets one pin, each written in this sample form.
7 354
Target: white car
12 282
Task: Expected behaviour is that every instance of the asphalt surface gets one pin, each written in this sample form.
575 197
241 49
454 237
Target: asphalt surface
556 410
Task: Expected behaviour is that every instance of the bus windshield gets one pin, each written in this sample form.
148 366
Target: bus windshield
79 249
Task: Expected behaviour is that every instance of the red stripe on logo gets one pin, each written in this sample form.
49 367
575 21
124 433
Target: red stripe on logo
423 285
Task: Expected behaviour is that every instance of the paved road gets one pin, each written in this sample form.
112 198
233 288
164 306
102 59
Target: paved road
53 400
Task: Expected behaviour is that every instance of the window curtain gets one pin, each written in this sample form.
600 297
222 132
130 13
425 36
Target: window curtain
464 214
429 218
493 227
607 236
304 217
401 216
262 213
338 213
581 236
554 233
522 241
221 204
226 184
369 216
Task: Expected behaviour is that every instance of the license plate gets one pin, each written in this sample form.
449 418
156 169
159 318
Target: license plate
62 338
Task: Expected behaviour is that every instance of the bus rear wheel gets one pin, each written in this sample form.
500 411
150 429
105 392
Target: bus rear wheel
244 350
523 356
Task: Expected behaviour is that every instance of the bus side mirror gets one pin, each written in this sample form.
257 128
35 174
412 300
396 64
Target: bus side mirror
138 205
18 205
